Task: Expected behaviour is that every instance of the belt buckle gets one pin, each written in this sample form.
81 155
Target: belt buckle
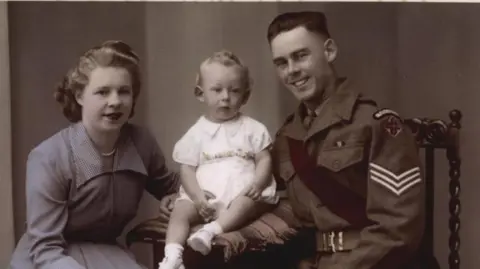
334 247
325 242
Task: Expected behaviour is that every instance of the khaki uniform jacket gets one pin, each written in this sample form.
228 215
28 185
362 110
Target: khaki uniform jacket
372 154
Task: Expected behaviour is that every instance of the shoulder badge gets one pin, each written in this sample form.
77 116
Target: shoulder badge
392 124
384 113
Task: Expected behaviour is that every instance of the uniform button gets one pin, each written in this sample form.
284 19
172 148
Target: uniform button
340 143
336 164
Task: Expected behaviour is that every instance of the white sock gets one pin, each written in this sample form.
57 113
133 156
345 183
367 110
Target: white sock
214 228
173 250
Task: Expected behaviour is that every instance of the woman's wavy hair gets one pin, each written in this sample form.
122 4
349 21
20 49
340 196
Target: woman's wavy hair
108 54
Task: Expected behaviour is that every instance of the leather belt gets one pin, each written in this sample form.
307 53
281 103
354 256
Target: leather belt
337 241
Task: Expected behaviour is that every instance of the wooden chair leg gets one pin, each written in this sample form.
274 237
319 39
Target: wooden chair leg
157 254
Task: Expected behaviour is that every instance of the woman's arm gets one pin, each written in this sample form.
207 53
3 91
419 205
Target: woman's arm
47 214
162 181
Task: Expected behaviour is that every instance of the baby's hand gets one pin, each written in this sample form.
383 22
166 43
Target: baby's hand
252 192
206 211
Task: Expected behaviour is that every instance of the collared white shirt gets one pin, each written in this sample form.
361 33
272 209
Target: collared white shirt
224 154
207 139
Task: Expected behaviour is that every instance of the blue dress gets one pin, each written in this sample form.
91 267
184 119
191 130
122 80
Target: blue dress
78 204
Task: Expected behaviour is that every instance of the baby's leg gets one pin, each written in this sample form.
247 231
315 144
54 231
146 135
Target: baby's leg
241 211
183 216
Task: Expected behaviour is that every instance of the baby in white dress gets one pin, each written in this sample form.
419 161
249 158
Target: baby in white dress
225 164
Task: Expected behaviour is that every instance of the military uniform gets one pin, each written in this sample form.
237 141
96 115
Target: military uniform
354 175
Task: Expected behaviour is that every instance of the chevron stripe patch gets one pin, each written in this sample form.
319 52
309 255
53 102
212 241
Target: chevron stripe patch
398 184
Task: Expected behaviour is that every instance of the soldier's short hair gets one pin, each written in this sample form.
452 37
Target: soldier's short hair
313 21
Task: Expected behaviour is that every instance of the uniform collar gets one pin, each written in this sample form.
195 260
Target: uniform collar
339 107
88 161
211 128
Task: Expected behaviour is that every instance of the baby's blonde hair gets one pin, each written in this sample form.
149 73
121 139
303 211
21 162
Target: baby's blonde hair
227 59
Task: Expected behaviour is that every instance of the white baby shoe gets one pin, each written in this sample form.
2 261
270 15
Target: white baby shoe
171 263
201 241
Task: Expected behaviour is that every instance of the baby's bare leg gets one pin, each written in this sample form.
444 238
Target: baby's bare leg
183 216
241 211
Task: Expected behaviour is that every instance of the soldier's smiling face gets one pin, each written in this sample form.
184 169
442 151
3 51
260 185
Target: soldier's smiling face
302 60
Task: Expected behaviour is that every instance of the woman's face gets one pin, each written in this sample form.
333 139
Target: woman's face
107 99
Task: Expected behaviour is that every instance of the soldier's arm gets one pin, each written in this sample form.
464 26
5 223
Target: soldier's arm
395 199
282 169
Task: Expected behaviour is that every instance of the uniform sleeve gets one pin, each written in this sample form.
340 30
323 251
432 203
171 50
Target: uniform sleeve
259 137
47 214
280 170
187 149
162 181
395 199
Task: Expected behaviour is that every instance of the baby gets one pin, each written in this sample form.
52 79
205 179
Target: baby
225 164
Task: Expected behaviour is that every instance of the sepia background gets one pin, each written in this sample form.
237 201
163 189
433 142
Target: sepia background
418 59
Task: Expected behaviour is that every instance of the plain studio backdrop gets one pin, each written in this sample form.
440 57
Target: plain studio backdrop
418 59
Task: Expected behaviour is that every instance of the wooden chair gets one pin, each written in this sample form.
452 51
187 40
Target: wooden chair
247 247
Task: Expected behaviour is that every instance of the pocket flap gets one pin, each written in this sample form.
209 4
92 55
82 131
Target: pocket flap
340 158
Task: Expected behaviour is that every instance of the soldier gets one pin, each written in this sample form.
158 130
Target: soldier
351 171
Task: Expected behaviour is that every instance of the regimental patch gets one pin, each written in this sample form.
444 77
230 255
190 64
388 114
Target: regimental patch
392 125
398 184
384 113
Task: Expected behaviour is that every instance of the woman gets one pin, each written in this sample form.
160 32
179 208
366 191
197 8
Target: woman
84 183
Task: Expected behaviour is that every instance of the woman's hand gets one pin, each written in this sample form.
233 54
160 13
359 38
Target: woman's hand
166 207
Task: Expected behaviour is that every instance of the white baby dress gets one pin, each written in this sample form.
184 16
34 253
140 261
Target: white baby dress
224 154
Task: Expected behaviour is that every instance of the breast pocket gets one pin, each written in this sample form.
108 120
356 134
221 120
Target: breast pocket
339 158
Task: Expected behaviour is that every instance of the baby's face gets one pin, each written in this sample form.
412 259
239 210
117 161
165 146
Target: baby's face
223 91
